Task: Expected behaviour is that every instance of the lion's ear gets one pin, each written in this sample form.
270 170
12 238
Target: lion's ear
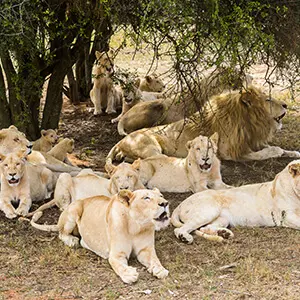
99 54
156 190
111 52
22 154
43 132
2 157
71 142
148 78
188 145
136 164
109 167
294 170
246 98
125 196
137 83
13 127
215 138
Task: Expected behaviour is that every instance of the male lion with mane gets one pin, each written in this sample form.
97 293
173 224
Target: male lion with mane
274 203
245 122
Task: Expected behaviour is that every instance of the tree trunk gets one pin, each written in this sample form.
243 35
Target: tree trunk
53 105
73 88
5 117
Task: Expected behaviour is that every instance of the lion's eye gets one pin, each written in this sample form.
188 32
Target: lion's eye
269 99
17 164
198 149
6 165
147 198
16 139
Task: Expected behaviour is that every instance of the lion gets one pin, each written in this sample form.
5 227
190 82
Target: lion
245 122
172 109
103 94
87 184
116 227
61 150
131 96
22 183
209 213
11 139
151 83
47 140
195 173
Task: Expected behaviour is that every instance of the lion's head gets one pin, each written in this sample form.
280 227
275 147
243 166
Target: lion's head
132 95
50 135
123 176
202 150
294 171
12 139
66 144
245 121
105 62
146 207
13 167
152 83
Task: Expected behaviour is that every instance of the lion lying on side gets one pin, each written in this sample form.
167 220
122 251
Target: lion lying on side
103 94
116 227
274 203
87 184
244 121
22 183
200 169
47 140
172 109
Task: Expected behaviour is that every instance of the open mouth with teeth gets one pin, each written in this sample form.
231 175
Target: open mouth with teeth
128 100
163 217
205 166
278 119
13 180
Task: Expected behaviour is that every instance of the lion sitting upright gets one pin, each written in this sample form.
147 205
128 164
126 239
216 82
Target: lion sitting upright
22 183
103 94
45 143
209 213
195 173
245 122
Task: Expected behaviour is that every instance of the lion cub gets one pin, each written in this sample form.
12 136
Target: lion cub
198 171
45 143
22 183
151 83
61 150
103 94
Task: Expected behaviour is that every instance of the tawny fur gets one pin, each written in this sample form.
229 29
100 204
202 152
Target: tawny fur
47 140
274 203
244 121
197 172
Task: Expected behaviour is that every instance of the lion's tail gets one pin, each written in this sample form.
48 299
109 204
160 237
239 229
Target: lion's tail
175 219
43 227
121 129
49 204
62 168
114 154
210 237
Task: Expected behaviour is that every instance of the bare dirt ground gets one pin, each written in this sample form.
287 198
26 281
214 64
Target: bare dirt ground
259 263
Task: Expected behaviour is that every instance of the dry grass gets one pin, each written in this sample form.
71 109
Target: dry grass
259 263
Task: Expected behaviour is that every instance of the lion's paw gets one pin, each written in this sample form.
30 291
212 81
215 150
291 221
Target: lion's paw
70 240
160 272
183 236
10 215
22 211
130 275
98 113
115 120
287 153
225 233
110 112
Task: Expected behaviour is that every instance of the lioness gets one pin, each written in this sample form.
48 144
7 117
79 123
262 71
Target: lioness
274 203
172 109
104 94
87 184
200 169
117 227
61 150
22 183
244 121
47 140
151 83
